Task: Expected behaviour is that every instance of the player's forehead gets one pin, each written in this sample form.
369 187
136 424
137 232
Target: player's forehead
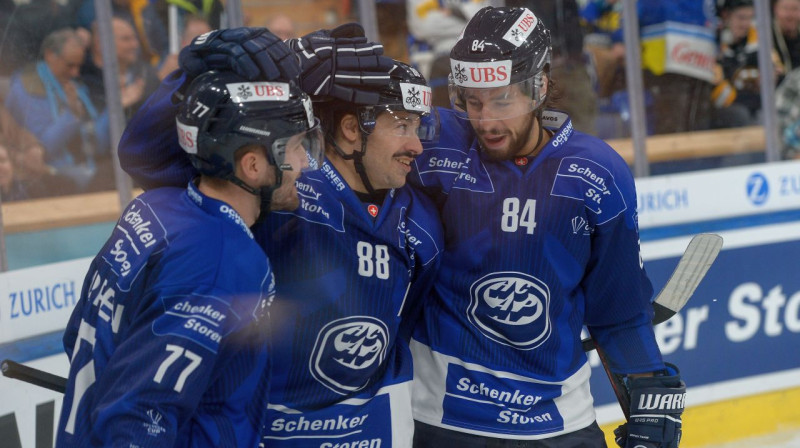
391 116
491 93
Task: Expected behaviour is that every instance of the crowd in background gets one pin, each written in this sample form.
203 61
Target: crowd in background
699 61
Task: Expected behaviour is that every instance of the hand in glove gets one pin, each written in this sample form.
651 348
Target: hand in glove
254 53
656 406
342 64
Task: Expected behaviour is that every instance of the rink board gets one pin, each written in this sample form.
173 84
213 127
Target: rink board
735 342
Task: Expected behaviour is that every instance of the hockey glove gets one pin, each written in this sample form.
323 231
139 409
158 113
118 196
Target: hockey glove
254 53
656 407
342 64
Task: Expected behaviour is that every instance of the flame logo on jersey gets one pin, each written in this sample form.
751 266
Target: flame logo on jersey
511 308
347 353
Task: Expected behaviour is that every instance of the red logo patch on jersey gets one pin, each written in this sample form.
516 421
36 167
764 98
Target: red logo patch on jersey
373 210
521 161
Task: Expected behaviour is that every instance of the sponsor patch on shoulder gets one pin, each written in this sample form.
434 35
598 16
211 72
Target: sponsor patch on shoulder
585 180
135 237
452 168
201 319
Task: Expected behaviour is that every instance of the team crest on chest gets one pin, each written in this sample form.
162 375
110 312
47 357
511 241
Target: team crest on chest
347 350
512 308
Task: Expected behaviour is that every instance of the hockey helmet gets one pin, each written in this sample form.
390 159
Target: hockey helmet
507 50
223 112
407 91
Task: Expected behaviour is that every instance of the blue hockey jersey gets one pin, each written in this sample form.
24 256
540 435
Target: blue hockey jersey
350 277
534 250
168 345
348 293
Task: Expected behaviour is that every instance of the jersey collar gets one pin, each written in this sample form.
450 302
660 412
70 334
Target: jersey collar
215 207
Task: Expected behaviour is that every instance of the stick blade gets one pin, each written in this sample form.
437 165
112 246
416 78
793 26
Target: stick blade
692 267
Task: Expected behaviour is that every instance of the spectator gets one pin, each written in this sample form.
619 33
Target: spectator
282 26
11 187
23 175
144 17
24 28
786 32
569 64
137 79
193 26
49 101
787 103
11 131
40 179
736 94
210 11
433 30
28 158
678 57
602 20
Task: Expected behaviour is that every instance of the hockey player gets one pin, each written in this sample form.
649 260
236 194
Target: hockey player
168 343
351 264
541 240
370 247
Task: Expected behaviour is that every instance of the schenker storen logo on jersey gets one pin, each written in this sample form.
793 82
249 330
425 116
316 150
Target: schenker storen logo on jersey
511 308
347 353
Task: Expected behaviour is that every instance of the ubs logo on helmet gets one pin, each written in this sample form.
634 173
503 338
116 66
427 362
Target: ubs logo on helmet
413 98
522 28
460 73
511 308
347 353
481 74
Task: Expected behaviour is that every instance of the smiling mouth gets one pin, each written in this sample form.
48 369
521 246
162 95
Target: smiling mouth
493 140
406 162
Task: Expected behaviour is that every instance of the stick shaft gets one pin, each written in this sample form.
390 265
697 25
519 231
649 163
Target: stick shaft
34 376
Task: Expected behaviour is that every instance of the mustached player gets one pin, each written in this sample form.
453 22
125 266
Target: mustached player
542 240
168 344
351 263
369 247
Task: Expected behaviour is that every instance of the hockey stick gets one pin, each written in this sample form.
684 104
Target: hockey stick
37 377
692 267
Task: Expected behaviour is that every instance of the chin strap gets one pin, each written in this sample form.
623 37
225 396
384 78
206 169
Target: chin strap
264 193
357 158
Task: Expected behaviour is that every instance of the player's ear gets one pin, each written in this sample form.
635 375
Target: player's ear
348 127
252 166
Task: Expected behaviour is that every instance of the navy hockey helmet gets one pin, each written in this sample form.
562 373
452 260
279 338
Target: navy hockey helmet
223 112
407 91
501 47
